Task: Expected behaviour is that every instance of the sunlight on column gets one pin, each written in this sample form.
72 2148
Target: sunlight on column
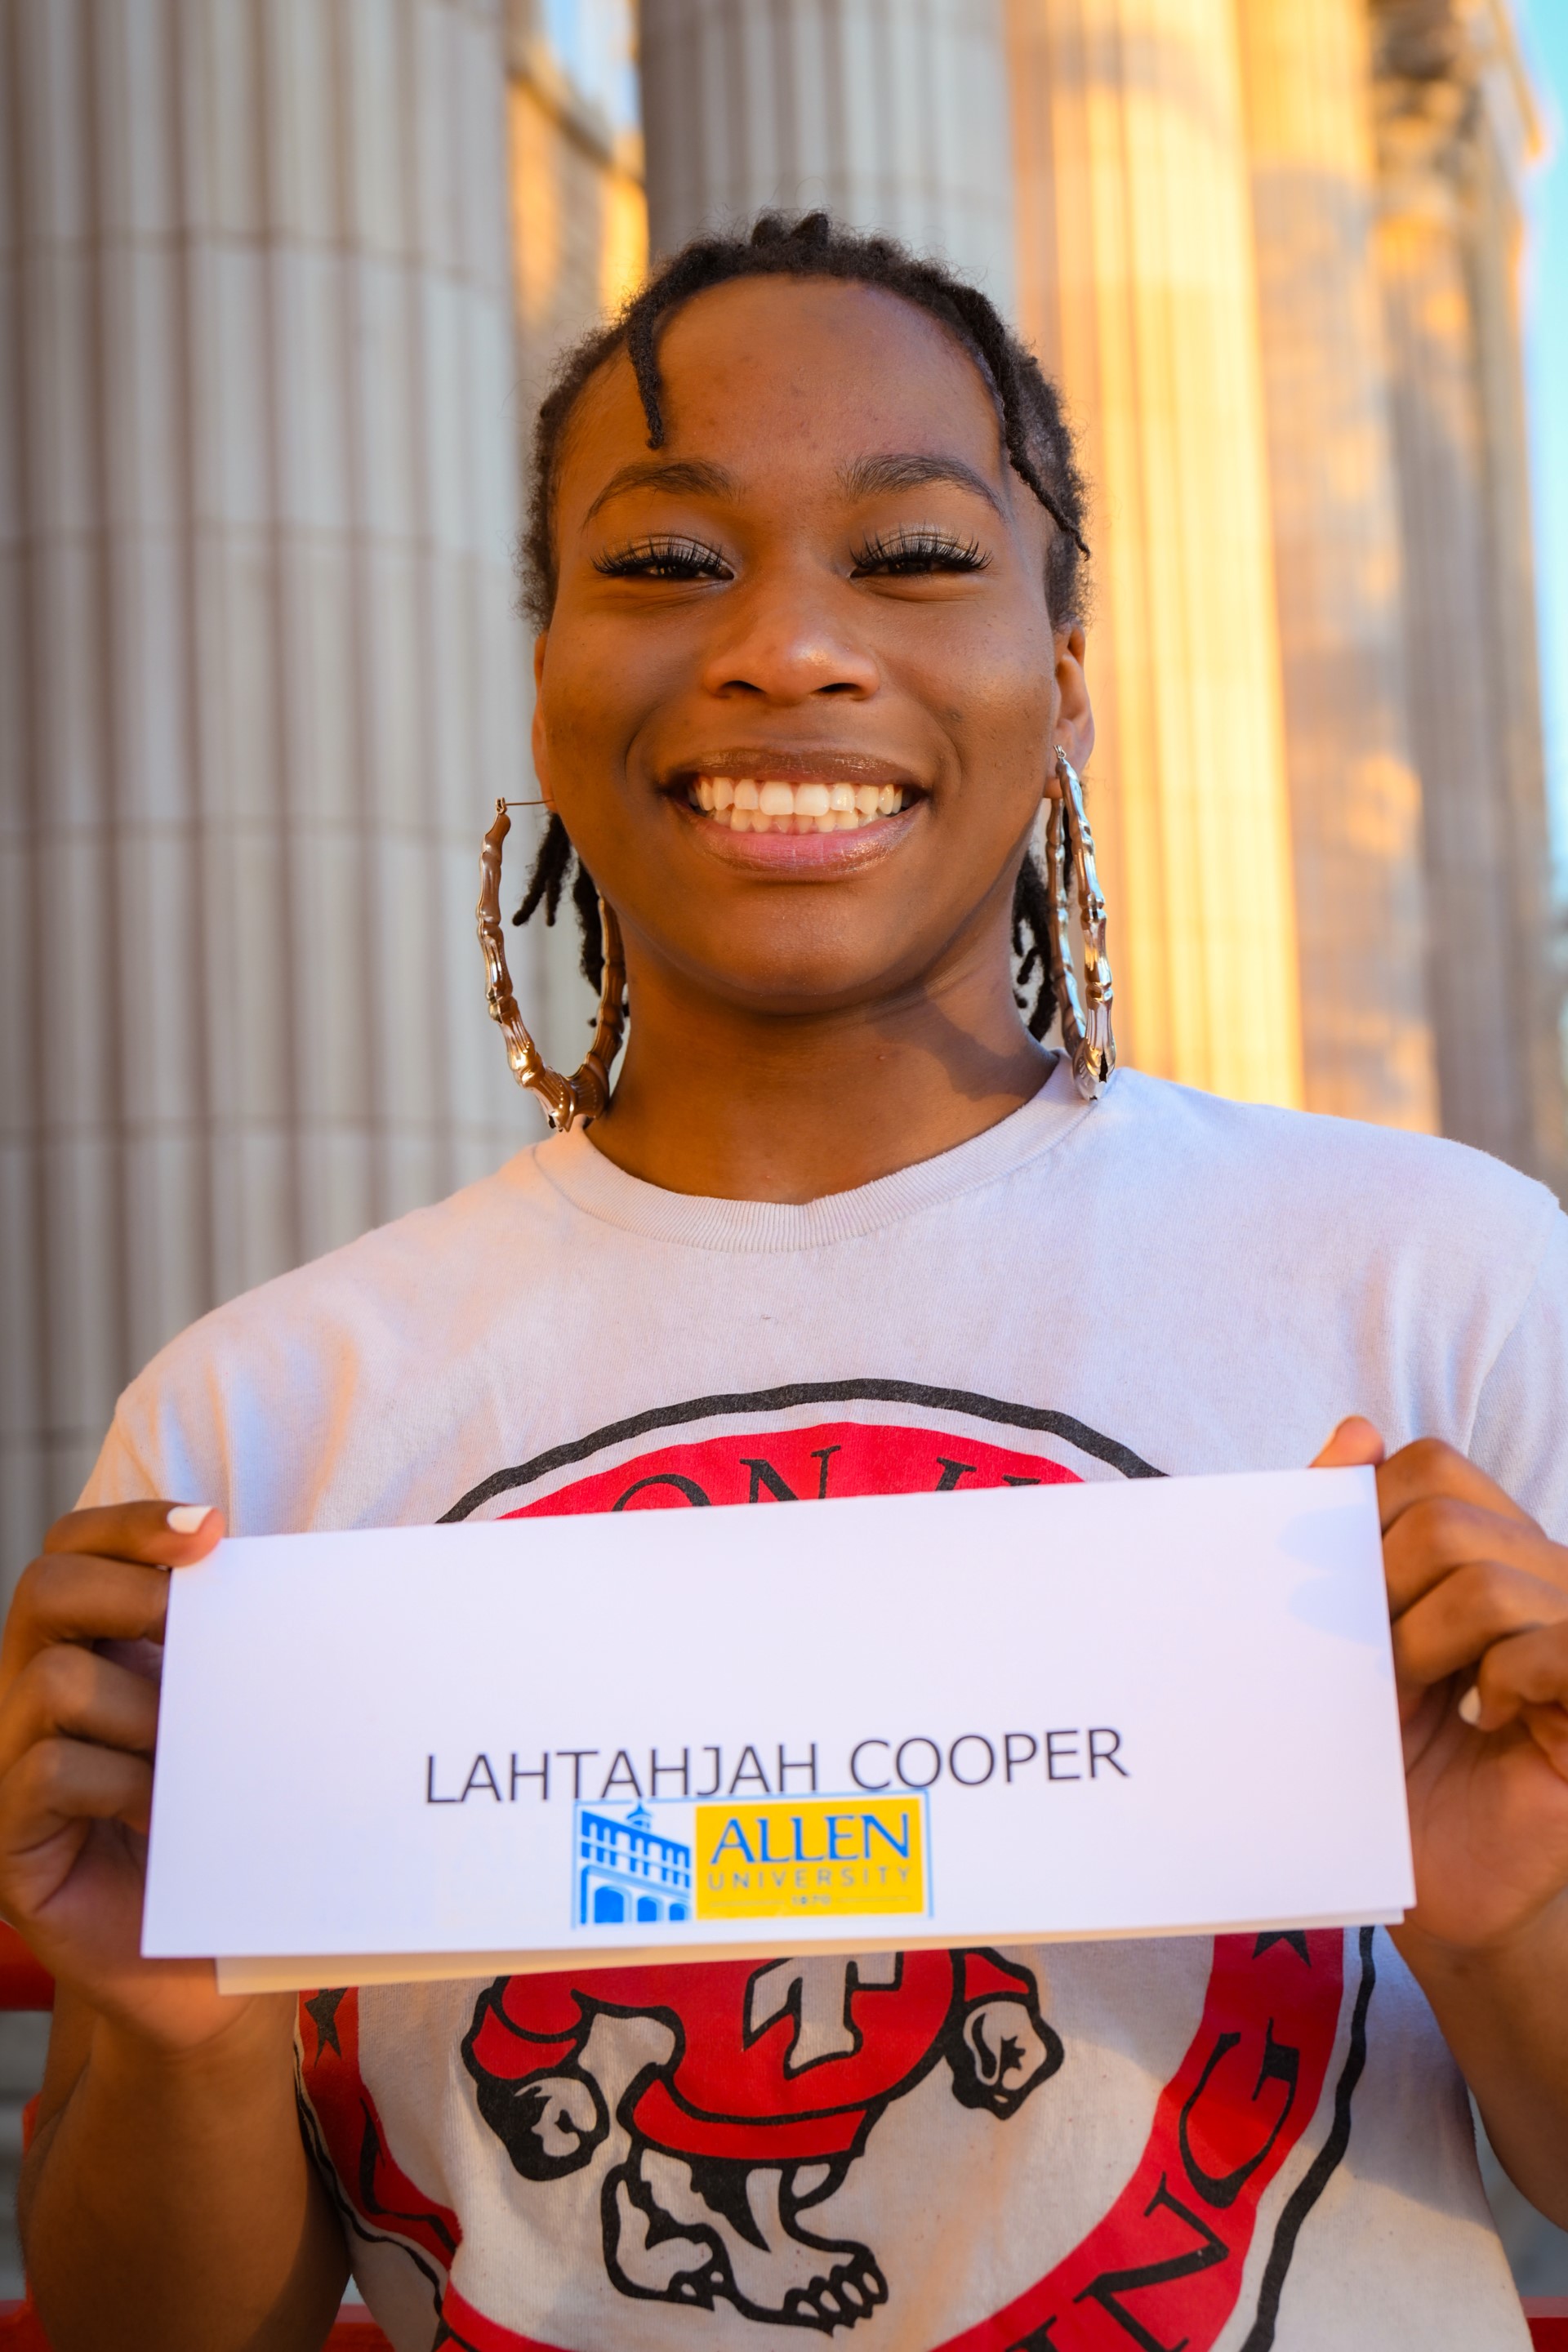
1138 283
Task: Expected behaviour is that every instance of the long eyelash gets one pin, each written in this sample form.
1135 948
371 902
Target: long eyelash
912 550
661 559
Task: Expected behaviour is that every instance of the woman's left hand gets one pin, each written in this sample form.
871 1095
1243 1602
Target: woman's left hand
1479 1599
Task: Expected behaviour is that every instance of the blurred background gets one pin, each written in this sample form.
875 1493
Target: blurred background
280 282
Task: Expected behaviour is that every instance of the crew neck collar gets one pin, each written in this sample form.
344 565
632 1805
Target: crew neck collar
573 1165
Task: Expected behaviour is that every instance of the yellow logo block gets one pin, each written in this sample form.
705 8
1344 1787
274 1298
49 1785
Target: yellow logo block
850 1854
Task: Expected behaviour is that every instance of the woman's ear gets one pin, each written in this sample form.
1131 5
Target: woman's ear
1075 715
538 737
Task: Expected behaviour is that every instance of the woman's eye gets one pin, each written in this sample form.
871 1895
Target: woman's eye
905 554
663 559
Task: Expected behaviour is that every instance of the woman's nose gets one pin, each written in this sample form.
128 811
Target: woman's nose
784 643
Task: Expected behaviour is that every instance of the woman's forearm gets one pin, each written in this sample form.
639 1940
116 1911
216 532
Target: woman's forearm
1504 2014
169 2205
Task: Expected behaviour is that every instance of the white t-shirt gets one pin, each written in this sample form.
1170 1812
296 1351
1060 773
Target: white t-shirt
1220 2146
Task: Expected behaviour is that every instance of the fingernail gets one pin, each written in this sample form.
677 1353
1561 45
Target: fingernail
1470 1704
185 1519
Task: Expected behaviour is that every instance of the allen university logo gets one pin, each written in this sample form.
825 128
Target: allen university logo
659 1865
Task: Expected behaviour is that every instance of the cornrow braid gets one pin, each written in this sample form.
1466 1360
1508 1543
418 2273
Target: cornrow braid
1035 434
545 884
585 898
1034 945
549 875
1001 353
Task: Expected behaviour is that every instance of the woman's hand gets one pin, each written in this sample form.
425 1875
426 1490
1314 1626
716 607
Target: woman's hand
77 1733
1479 1599
167 2198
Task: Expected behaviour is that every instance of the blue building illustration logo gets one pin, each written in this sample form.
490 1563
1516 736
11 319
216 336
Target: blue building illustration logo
627 1871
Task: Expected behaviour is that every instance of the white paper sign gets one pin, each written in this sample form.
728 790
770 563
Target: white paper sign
972 1718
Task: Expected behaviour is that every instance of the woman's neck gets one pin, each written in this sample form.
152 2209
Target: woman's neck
719 1099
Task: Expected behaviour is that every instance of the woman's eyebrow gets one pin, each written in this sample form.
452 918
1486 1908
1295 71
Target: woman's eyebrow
674 473
907 470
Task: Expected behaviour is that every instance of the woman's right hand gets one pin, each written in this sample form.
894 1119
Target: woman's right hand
167 2198
77 1734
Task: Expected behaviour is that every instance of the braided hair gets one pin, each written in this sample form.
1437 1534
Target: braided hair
1034 429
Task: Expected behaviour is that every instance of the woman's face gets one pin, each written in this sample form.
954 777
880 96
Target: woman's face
828 582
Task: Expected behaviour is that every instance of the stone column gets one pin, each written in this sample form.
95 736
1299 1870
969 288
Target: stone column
1137 283
1512 145
258 488
1454 137
892 117
1355 798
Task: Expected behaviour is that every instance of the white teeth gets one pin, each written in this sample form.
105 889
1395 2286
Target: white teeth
745 805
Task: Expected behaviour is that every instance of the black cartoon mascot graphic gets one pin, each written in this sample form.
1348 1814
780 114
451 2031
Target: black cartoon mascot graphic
736 2096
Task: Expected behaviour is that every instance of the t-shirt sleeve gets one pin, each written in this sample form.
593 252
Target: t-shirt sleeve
119 1475
149 1453
1521 1433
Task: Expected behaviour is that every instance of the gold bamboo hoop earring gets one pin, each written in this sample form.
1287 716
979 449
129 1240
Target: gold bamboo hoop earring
586 1093
1087 1037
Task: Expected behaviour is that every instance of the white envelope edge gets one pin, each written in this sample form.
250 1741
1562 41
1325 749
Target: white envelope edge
289 1973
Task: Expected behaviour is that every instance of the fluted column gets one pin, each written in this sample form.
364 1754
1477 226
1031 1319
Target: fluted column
1137 283
1511 146
262 674
1355 798
892 117
1454 137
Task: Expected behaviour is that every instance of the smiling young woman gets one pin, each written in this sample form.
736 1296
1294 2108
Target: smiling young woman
800 687
806 557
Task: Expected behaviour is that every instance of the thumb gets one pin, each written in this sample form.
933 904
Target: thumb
1354 1444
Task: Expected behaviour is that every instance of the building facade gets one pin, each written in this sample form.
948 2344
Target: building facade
1455 132
1272 253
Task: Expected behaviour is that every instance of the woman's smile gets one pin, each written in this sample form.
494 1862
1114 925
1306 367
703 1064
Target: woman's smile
790 809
